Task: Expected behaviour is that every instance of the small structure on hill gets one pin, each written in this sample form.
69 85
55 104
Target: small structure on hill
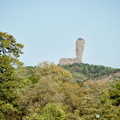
79 52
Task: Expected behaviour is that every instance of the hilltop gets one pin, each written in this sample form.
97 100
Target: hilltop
83 72
53 92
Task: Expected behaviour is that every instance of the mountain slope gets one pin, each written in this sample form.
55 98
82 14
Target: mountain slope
83 72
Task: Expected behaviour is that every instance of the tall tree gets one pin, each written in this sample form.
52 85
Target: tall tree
10 50
8 45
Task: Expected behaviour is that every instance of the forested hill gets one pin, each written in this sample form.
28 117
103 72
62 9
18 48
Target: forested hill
83 72
50 92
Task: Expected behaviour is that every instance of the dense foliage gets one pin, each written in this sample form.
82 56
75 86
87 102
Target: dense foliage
50 92
85 71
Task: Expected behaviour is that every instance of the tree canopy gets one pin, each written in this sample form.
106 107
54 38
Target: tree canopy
10 50
9 46
52 92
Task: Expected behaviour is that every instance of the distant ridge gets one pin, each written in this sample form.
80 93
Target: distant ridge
83 72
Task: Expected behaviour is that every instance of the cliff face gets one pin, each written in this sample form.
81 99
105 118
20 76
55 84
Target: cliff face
79 52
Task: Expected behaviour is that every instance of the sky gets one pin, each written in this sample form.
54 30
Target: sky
48 29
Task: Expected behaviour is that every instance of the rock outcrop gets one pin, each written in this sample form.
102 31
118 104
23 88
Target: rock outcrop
79 52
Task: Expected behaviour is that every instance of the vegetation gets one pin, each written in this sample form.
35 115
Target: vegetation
83 72
50 92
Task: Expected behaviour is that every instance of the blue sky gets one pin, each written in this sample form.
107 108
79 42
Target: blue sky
49 29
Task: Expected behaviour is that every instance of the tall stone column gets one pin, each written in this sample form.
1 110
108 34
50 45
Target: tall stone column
79 49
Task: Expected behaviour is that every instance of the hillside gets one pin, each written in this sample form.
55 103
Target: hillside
83 72
50 92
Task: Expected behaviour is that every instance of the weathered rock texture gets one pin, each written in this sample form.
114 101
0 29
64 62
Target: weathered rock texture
79 49
79 52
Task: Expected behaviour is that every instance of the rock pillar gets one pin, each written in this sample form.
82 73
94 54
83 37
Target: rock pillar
79 49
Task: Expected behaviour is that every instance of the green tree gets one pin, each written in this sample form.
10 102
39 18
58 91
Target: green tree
57 73
47 89
6 68
114 93
10 50
8 45
54 111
